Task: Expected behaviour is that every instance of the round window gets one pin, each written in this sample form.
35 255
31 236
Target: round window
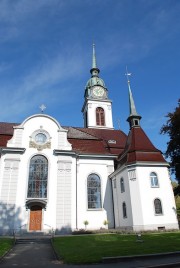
40 138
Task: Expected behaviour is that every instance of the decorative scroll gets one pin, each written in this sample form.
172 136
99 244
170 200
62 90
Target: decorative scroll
40 147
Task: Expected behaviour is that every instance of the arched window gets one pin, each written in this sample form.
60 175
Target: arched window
154 179
38 175
122 185
100 117
157 206
124 210
94 191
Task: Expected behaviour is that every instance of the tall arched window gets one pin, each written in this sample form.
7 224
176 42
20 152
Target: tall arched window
94 191
154 179
124 210
157 206
38 175
122 185
100 117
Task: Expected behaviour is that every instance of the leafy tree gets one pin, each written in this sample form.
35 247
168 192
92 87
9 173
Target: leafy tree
172 128
177 199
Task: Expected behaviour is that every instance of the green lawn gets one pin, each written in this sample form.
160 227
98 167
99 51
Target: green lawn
5 245
91 248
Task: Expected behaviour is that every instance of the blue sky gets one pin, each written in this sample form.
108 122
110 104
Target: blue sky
46 54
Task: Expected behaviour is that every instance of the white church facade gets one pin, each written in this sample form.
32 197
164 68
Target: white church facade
56 178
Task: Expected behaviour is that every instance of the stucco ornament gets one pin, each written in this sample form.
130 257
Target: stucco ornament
40 139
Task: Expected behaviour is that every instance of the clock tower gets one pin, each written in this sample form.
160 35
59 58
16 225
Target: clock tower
97 108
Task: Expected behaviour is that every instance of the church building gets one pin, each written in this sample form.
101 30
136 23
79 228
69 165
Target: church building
62 178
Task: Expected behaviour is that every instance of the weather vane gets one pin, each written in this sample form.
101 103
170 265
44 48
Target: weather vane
42 107
128 75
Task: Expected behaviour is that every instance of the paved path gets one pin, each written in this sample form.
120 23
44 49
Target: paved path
41 254
30 255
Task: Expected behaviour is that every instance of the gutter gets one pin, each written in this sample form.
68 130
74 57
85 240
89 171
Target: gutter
80 155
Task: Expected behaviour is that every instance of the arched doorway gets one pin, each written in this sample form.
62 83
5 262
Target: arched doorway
35 222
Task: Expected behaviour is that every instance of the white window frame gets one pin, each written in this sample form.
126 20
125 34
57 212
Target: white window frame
153 177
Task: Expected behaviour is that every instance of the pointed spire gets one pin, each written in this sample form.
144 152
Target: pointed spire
94 58
94 70
133 118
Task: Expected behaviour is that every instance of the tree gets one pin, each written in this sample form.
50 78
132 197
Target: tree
85 224
172 128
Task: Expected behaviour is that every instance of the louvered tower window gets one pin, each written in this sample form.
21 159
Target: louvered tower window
100 117
38 174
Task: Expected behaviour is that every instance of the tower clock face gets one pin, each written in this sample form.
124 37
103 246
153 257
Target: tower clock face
98 91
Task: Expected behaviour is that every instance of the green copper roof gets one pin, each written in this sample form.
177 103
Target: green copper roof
94 58
95 79
134 117
131 102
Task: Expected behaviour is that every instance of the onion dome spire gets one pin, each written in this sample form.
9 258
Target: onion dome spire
134 117
95 80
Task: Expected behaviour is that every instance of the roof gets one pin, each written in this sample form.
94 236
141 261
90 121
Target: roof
83 140
100 141
139 149
7 128
136 147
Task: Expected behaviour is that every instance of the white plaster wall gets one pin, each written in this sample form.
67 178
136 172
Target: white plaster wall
119 198
91 113
135 196
57 135
94 217
62 198
163 192
139 197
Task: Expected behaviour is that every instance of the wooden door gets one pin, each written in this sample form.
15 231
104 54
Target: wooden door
35 218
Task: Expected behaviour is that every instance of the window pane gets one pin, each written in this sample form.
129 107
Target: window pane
154 179
124 210
157 206
38 173
100 118
94 191
122 185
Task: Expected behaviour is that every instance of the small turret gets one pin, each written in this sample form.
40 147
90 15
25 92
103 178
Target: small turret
134 118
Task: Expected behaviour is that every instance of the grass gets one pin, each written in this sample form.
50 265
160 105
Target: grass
5 245
91 248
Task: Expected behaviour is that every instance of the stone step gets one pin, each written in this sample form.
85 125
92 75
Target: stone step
30 234
33 240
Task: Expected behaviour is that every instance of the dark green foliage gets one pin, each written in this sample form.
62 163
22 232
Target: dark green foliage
172 128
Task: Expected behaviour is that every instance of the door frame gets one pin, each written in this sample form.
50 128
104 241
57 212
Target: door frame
35 202
30 211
